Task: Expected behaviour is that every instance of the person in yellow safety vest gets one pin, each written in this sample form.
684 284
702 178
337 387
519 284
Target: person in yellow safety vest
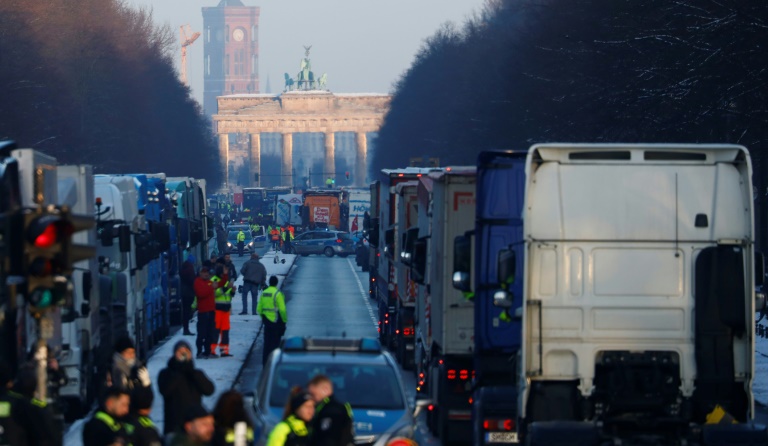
287 241
223 302
104 428
240 243
271 308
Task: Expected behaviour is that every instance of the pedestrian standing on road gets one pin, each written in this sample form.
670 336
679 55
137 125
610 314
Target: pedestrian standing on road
274 234
205 303
271 308
223 304
197 429
221 240
240 243
187 275
105 428
182 387
142 430
17 426
231 270
233 425
47 428
332 423
293 431
254 278
123 360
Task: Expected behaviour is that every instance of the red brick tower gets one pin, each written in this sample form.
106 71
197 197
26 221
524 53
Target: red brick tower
231 51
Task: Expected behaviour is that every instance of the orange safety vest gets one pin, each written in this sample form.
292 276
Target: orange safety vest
275 235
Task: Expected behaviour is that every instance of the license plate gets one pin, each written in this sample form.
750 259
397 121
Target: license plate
501 437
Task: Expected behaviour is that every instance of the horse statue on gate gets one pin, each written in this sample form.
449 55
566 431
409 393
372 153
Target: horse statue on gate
289 82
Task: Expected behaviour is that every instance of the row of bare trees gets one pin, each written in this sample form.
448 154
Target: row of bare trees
528 71
92 82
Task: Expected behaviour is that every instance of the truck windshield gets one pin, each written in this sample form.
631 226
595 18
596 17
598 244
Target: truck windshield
362 386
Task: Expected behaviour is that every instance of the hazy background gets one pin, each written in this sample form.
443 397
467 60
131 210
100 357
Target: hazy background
363 45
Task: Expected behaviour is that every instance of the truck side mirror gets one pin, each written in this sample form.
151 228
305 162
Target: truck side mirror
420 260
106 234
373 232
462 263
124 238
760 298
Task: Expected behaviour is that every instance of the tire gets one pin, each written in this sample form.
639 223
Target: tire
328 252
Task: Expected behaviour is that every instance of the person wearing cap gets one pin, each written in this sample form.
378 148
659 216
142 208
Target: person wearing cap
254 278
271 308
127 372
205 304
332 423
293 431
142 430
182 386
105 428
197 429
187 275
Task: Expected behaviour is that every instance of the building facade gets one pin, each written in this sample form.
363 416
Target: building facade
230 51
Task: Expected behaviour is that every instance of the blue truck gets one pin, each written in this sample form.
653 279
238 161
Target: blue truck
495 266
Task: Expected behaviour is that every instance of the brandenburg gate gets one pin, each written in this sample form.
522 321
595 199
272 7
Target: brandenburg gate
299 111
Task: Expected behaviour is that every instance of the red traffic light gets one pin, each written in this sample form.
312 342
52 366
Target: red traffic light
47 230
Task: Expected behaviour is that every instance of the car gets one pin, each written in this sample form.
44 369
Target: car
363 374
250 243
329 243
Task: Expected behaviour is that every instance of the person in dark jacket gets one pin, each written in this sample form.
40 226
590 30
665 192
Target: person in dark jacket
254 278
332 423
231 420
182 386
104 429
47 429
144 432
231 270
17 427
197 429
188 275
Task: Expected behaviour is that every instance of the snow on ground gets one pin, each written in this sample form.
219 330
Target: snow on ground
760 383
222 371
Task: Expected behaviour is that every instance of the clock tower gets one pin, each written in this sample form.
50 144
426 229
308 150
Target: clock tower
230 52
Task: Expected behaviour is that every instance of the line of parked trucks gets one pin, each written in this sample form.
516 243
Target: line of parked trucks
574 294
146 225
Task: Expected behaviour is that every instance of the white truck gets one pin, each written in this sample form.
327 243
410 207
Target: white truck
120 224
444 317
639 295
82 349
406 216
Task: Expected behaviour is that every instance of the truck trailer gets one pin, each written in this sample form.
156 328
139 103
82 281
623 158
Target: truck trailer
444 321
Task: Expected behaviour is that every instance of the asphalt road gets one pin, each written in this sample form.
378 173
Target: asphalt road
328 297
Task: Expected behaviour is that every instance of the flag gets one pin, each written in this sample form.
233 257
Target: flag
354 225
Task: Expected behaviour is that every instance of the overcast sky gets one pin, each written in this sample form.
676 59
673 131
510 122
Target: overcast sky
363 45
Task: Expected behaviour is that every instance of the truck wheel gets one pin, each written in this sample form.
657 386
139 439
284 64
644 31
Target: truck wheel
328 252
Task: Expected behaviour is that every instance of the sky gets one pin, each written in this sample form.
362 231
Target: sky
363 45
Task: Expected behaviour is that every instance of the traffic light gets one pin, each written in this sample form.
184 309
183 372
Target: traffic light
346 175
50 255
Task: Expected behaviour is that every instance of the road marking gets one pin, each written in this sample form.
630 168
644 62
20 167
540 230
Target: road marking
366 299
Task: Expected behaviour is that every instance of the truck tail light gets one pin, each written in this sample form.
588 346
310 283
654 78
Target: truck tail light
464 374
451 374
408 331
499 424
